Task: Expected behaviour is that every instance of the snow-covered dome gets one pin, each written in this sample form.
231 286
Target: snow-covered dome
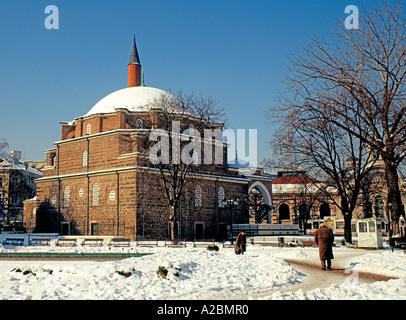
134 99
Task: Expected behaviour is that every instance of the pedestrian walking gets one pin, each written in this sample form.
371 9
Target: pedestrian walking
241 243
324 238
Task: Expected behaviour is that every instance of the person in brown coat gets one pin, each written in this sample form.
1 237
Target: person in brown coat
241 242
324 238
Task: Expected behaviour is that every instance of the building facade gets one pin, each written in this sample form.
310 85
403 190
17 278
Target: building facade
17 184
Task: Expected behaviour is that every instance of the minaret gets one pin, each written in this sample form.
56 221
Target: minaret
134 68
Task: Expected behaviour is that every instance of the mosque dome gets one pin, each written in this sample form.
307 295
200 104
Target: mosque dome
134 99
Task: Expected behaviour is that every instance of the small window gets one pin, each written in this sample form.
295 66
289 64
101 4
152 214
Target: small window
95 194
85 158
112 195
198 197
362 226
94 229
66 197
284 213
139 124
89 129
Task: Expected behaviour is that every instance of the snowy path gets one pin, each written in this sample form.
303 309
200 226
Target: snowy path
342 282
315 278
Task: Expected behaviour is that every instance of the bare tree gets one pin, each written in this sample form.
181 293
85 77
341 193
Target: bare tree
355 80
331 154
178 152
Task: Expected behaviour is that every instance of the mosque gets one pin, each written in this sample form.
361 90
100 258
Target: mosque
98 179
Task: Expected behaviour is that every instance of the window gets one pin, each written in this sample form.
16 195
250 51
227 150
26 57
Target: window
81 192
112 195
198 197
89 129
139 124
325 210
65 228
199 230
85 158
95 194
362 226
220 197
379 206
94 229
66 197
284 213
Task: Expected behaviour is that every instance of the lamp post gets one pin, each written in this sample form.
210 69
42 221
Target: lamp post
230 204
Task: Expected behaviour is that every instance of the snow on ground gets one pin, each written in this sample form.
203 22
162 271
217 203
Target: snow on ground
193 273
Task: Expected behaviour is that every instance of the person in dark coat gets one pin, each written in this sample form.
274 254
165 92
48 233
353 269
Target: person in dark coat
241 241
324 238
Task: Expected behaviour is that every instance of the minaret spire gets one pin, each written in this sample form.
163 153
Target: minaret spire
134 68
134 59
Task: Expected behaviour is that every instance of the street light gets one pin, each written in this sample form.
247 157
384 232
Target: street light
230 204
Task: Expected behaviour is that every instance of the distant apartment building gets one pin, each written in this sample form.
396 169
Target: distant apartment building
17 184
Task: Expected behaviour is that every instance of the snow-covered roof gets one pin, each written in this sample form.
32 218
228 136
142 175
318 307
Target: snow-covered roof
134 99
16 165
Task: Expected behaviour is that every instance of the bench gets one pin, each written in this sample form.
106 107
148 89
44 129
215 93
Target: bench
13 242
175 243
92 242
147 242
40 242
203 242
309 243
119 242
66 242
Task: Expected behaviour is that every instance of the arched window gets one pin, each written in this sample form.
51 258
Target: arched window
198 196
139 124
84 158
284 213
325 210
89 129
66 197
379 206
95 194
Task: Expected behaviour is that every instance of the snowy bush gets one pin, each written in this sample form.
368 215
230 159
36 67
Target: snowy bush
213 247
167 271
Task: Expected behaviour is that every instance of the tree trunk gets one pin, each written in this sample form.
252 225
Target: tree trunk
173 219
394 196
347 228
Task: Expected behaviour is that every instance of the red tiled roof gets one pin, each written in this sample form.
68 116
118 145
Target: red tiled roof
294 180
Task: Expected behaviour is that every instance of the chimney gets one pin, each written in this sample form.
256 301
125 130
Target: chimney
134 68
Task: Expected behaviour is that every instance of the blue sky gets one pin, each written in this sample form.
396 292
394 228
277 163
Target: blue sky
234 51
